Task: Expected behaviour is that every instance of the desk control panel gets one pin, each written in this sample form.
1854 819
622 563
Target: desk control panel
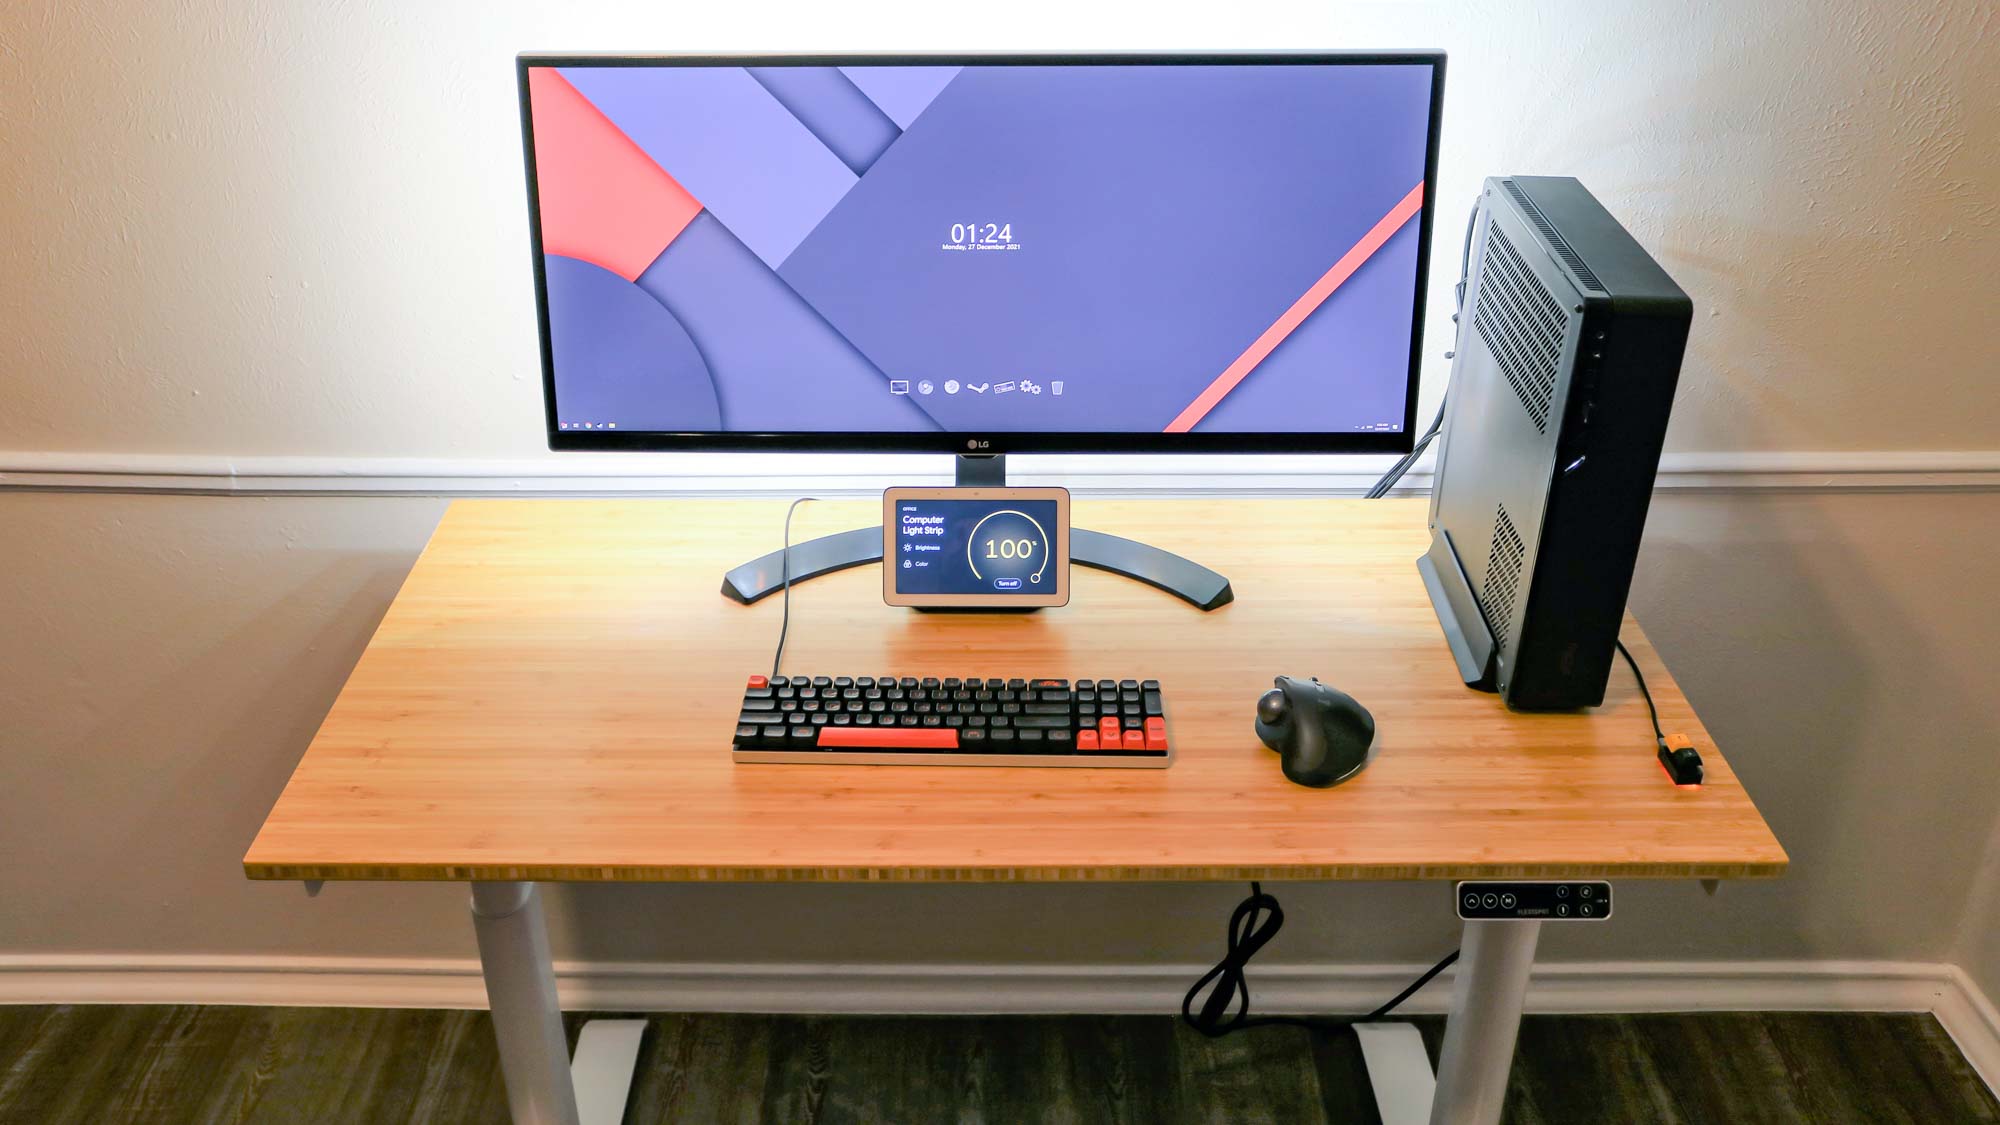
1539 901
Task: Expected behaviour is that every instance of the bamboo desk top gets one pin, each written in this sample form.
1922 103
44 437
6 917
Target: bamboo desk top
552 693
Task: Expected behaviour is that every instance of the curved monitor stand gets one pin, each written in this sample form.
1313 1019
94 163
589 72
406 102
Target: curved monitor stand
1184 579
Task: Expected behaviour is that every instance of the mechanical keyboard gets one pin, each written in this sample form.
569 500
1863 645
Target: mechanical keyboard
953 721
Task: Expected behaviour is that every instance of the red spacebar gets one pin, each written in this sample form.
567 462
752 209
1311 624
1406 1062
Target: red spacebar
893 738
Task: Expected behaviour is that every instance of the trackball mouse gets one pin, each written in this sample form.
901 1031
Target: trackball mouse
1321 734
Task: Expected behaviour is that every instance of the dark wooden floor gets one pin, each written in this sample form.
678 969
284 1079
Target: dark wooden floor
188 1064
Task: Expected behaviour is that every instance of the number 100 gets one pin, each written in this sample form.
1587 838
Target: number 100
1009 548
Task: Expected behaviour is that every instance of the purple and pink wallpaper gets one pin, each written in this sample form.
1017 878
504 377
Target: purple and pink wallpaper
980 249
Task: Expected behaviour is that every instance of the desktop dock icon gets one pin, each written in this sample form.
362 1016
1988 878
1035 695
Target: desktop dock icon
899 386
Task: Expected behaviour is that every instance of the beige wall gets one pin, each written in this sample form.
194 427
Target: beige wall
237 230
299 229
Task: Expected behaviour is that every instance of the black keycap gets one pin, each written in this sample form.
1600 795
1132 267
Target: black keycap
1086 695
907 682
953 683
930 682
995 684
975 720
788 705
1149 685
820 719
746 734
1054 696
989 708
1028 735
1123 685
1043 722
1010 708
758 693
843 681
970 735
780 681
946 708
900 707
809 705
865 682
1134 722
933 720
1152 704
803 736
998 721
1000 736
822 681
1063 736
764 704
850 693
808 693
754 717
983 696
1045 709
864 720
1107 685
796 719
843 719
1007 696
925 708
872 693
1129 709
954 720
771 735
906 721
788 693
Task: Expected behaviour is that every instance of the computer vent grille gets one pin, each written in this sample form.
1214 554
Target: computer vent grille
1522 324
1503 576
1556 240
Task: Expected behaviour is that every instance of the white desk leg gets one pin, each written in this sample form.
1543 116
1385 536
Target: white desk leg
521 989
544 1087
1485 1017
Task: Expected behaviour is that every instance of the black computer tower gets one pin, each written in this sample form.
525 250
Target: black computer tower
1569 346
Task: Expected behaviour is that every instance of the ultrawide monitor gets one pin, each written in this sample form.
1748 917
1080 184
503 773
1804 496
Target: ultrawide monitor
985 253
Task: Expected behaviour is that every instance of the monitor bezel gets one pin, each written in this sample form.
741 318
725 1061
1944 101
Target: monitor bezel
950 441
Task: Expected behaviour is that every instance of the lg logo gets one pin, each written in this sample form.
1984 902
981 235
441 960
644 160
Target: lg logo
975 443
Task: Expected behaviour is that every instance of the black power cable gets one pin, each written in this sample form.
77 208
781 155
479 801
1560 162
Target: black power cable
1381 487
1252 925
1659 735
785 618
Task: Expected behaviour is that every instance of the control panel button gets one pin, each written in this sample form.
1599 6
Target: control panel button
1533 900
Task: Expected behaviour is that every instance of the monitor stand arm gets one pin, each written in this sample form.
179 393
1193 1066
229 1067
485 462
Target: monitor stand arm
1184 579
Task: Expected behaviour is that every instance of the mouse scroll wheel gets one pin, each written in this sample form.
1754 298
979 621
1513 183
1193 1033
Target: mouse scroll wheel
1273 707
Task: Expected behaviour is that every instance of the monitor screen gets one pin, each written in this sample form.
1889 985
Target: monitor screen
1053 253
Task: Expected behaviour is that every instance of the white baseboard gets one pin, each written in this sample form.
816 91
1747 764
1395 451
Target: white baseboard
1584 987
594 474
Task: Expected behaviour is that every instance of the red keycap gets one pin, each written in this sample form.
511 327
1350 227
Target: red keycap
1156 723
1086 740
1134 740
1108 728
760 681
902 738
1156 740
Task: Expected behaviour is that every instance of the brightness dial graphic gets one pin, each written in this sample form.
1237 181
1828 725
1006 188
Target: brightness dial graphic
1009 550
